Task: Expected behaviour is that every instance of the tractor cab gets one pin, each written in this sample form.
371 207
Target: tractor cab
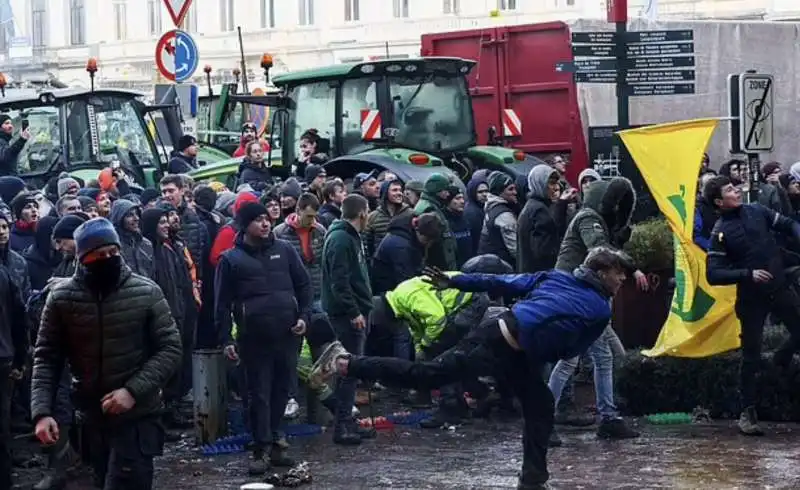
82 131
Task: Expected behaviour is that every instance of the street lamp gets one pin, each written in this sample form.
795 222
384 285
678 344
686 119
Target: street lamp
207 71
91 68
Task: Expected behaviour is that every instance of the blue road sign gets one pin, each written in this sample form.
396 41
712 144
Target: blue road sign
187 56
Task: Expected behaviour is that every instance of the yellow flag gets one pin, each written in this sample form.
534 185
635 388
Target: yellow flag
702 321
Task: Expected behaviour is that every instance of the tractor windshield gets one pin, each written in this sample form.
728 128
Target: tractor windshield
432 113
121 132
44 145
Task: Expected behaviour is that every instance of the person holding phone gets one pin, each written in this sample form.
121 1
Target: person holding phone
9 152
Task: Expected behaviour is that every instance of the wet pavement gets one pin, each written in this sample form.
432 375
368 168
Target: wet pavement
486 455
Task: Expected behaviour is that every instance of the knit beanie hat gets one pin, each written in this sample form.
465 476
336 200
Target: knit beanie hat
436 183
186 141
248 212
312 172
19 203
65 183
225 199
149 195
87 203
243 198
10 186
291 188
205 197
498 182
90 192
93 234
66 226
415 185
4 118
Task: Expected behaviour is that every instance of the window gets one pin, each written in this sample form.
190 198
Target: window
39 23
267 14
306 11
357 95
400 8
43 146
226 15
77 22
5 36
154 17
120 21
506 4
450 7
351 10
315 107
121 133
570 3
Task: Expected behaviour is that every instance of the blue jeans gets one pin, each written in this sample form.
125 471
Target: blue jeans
353 340
603 361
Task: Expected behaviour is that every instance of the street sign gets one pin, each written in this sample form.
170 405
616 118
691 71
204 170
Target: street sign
177 10
596 77
598 37
660 89
660 36
734 128
756 104
580 66
660 76
636 50
660 62
177 57
597 50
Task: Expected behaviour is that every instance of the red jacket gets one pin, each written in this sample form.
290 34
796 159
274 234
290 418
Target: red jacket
227 234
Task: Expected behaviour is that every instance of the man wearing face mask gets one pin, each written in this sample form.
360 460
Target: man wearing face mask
123 347
347 297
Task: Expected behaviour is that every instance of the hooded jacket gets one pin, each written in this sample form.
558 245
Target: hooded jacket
40 258
443 254
346 290
607 209
125 339
308 242
136 249
378 220
499 232
473 212
541 224
171 273
560 314
9 153
328 213
265 289
256 175
400 256
587 172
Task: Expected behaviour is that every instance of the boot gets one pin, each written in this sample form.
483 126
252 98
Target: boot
574 418
531 479
258 464
420 399
61 458
748 423
555 440
615 429
278 457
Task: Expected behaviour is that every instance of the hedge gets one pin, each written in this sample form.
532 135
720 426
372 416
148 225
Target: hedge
668 384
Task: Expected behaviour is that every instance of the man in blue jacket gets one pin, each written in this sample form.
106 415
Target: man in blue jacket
559 316
745 251
263 283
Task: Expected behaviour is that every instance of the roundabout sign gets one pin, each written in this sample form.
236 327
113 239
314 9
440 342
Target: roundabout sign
177 56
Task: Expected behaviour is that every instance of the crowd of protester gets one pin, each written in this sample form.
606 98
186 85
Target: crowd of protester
274 272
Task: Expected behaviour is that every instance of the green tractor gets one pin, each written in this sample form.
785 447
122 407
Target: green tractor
82 131
411 117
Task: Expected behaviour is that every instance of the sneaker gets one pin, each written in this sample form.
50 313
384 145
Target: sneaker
292 409
615 429
355 412
748 423
325 367
258 464
347 436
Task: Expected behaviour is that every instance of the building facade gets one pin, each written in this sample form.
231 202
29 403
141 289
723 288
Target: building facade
60 35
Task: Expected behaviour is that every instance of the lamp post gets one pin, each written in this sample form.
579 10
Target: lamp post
266 64
91 68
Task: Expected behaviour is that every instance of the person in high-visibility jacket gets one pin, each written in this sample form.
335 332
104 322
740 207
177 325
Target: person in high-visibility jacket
437 320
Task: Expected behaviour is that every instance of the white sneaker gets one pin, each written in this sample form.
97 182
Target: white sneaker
292 409
355 412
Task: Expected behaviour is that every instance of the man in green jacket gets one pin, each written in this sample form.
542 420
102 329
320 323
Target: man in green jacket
436 195
347 298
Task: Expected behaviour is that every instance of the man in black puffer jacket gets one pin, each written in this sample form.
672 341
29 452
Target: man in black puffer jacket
193 232
115 329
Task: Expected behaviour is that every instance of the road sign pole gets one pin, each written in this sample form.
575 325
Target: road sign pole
623 100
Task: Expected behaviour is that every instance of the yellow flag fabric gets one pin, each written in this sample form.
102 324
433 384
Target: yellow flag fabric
702 321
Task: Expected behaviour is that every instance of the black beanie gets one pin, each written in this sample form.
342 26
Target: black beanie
186 141
19 203
205 197
248 212
4 118
66 226
498 182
